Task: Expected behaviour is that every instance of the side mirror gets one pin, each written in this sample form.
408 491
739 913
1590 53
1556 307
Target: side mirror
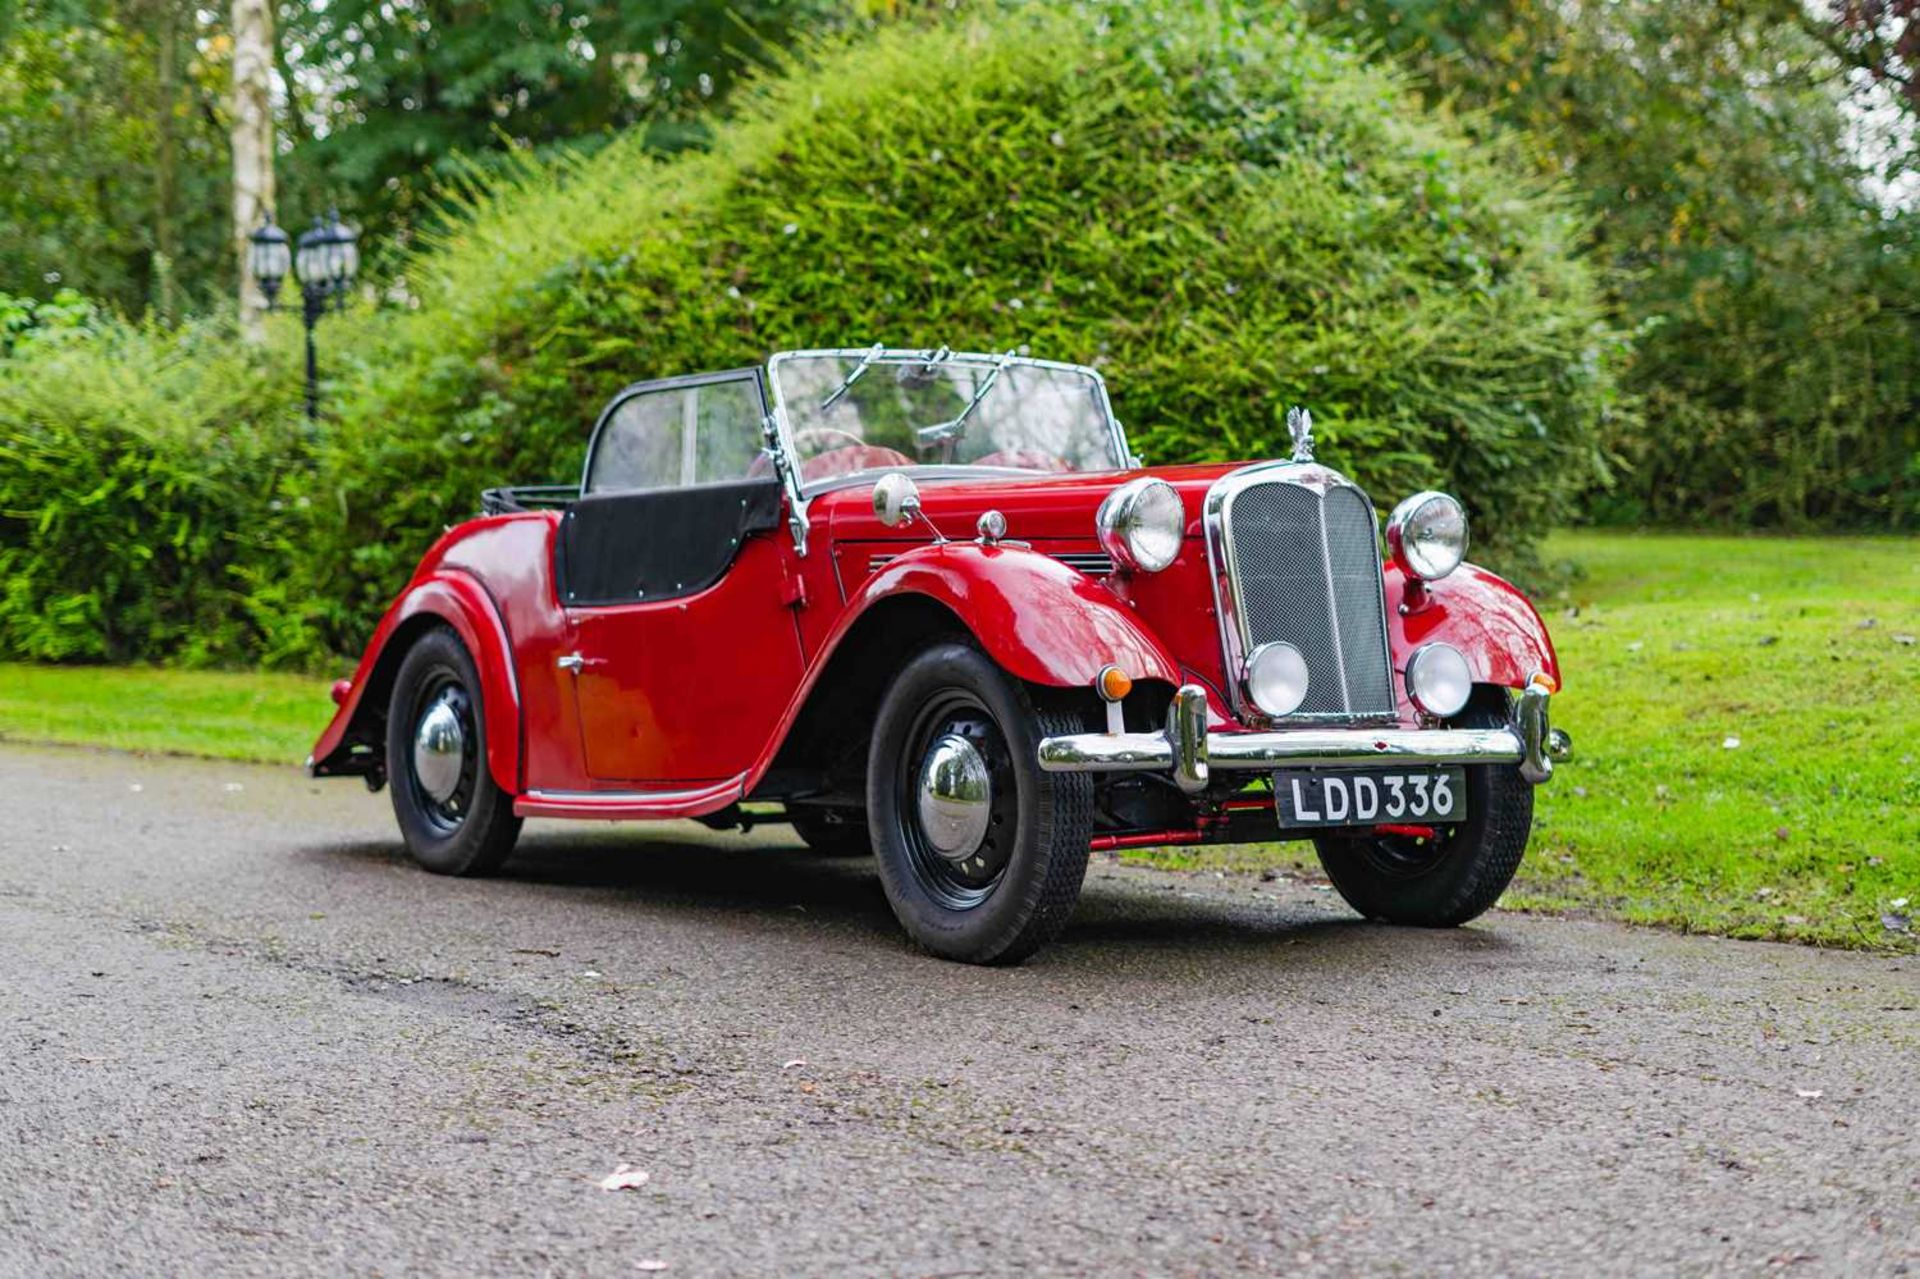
896 499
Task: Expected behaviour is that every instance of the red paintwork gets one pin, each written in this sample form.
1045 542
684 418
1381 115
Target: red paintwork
660 675
1145 839
1042 621
684 704
1484 616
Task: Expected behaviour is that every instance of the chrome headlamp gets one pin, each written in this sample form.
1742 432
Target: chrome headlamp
1141 524
1427 535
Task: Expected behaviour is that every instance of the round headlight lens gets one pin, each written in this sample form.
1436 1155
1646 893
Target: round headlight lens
1277 679
1141 524
1439 681
1427 535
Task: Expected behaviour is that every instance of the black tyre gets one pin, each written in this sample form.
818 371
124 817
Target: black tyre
453 817
980 852
832 832
1461 871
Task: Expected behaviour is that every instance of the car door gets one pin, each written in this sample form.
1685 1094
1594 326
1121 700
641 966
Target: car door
677 577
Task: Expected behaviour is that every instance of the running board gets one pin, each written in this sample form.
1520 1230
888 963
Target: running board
617 806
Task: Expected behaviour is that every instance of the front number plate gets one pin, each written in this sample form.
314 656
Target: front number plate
1370 796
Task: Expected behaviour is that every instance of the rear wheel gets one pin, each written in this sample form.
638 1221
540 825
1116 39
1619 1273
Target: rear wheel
980 852
1456 873
453 817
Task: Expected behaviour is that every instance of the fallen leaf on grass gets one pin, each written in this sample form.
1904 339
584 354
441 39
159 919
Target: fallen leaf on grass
624 1177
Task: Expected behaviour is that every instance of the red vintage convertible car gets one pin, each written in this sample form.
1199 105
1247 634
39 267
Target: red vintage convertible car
928 603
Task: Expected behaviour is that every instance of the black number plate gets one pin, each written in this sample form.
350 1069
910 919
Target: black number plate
1370 796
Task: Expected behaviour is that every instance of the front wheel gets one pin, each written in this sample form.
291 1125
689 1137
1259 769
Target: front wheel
453 817
980 852
1446 878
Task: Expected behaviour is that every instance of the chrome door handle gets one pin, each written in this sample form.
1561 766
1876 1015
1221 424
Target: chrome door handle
571 662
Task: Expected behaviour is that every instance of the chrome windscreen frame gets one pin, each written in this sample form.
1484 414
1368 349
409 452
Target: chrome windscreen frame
779 427
1227 600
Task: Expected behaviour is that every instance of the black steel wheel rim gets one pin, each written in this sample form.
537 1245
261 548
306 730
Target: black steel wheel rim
958 885
446 816
1408 856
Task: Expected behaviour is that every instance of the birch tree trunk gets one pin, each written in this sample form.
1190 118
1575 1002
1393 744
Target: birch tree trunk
252 144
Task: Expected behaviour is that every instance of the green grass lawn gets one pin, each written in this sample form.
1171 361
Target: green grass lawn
1745 713
268 718
1746 722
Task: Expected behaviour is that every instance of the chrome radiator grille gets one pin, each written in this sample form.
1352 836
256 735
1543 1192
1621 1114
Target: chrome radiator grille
1298 562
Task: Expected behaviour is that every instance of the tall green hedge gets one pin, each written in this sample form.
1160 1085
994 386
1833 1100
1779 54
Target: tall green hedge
139 506
1228 216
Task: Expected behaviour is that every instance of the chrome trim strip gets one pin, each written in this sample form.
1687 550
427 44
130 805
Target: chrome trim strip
1300 748
1189 752
1235 645
1092 563
615 797
1333 610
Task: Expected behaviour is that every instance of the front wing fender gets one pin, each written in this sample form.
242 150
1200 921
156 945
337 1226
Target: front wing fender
1482 615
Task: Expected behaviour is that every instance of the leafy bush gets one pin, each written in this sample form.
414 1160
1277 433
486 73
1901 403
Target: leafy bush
25 322
137 496
1229 215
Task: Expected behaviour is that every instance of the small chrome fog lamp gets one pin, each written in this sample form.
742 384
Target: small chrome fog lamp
1427 535
1439 681
1277 679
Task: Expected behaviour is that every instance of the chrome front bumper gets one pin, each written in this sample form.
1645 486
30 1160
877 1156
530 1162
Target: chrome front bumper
1189 752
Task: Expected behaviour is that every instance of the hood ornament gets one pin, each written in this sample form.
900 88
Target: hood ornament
1300 427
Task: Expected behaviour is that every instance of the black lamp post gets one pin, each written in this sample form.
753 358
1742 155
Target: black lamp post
325 260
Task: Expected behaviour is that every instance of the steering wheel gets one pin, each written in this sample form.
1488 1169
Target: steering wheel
819 439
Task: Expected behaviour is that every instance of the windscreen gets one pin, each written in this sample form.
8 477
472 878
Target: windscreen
857 412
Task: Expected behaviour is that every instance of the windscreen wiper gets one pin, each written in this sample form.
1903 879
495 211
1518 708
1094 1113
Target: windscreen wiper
940 432
840 391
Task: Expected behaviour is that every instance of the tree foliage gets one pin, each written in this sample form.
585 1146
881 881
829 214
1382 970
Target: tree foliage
112 157
1771 299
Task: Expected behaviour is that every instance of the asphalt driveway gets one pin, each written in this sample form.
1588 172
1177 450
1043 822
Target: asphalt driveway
239 1033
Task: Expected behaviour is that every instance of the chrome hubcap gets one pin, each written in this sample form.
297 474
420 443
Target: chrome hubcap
956 797
439 750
